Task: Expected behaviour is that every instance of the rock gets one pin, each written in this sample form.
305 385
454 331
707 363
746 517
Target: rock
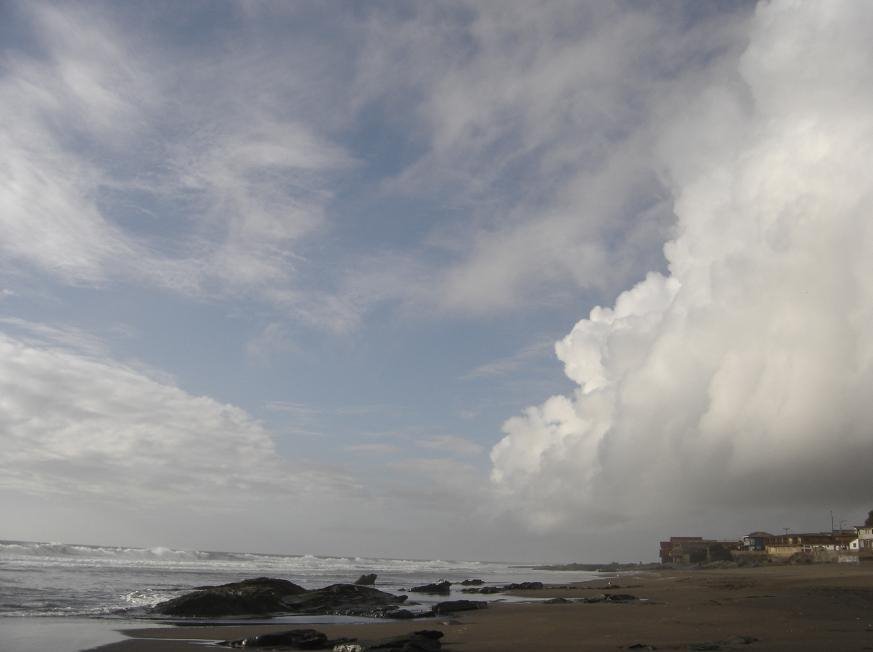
366 580
558 601
451 606
619 597
473 582
484 589
264 596
400 614
344 600
592 600
259 596
439 588
426 640
297 639
641 646
524 586
741 640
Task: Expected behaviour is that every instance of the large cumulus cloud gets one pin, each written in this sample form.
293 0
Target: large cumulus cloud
742 375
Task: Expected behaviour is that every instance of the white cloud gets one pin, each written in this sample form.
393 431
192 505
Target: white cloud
738 380
512 363
540 126
85 425
120 163
375 448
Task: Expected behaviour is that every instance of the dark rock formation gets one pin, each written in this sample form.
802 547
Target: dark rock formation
345 600
521 586
473 582
427 640
259 596
439 588
264 596
558 601
609 597
400 614
451 606
366 580
619 597
524 586
296 639
484 590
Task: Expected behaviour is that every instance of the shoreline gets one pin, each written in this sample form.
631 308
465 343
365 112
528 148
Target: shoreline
816 607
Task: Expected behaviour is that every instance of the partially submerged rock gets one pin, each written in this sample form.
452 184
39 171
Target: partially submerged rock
485 590
259 596
524 586
344 600
437 588
265 596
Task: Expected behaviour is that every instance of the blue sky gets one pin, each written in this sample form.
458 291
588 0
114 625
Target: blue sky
269 263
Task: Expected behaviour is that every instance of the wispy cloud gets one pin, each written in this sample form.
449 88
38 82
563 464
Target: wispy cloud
377 448
451 444
116 166
510 364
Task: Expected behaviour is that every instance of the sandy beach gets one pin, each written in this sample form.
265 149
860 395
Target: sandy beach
815 607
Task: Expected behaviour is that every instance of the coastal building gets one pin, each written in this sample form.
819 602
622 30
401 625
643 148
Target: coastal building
864 539
695 550
786 545
757 541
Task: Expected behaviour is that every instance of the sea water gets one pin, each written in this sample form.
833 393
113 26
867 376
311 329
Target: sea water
66 598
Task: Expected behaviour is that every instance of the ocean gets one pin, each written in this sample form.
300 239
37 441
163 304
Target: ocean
67 598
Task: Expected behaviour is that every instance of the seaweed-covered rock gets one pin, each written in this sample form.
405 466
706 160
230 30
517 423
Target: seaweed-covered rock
259 596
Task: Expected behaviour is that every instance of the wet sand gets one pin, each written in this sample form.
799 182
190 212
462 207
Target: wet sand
818 607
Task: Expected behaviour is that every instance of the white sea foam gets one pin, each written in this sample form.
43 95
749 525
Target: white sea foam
58 579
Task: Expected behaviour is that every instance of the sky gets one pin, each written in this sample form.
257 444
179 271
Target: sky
530 281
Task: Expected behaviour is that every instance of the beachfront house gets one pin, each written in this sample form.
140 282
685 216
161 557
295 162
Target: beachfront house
786 545
864 540
757 541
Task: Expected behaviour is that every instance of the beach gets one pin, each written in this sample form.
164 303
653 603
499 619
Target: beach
810 607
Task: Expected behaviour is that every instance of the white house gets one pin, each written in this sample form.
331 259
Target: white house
865 538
